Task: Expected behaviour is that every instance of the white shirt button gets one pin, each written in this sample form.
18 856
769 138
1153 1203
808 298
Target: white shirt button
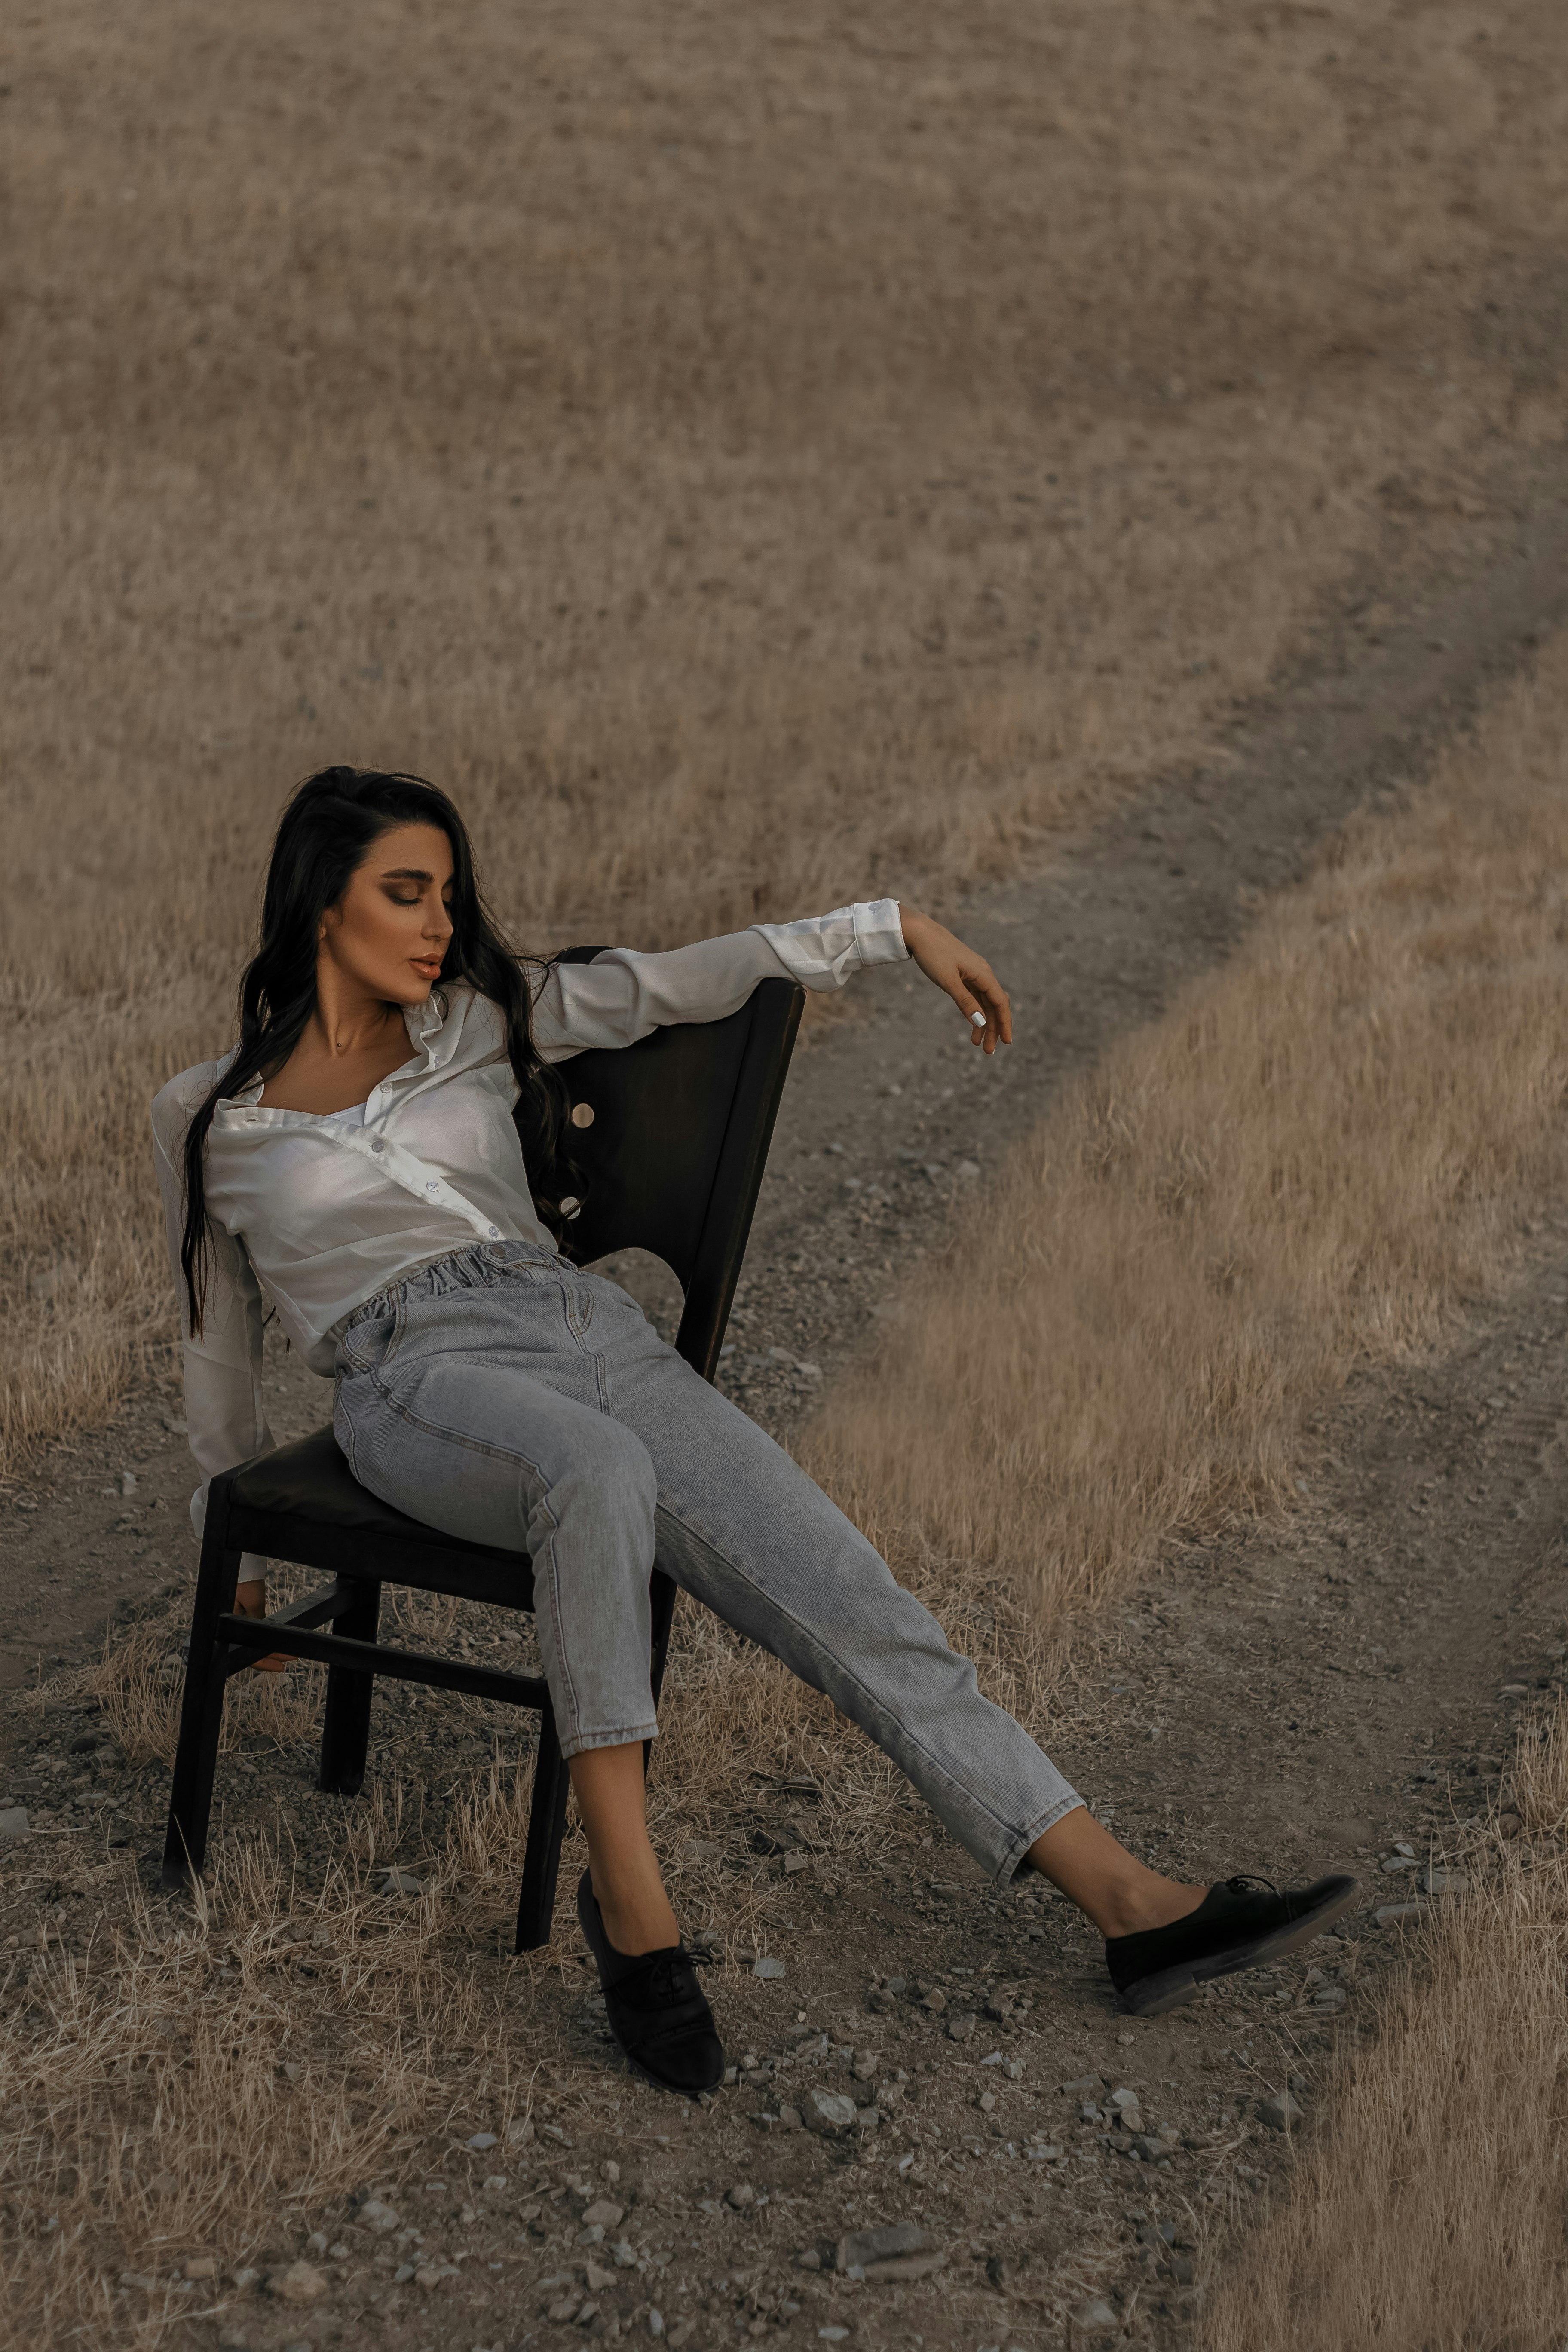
495 1232
376 1144
432 1188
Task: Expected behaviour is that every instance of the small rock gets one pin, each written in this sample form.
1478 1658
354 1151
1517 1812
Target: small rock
828 2112
859 2248
967 1171
494 2182
592 2235
128 1482
789 2117
655 2322
201 2266
566 2309
1001 2273
602 2212
1445 1882
831 2335
1279 2112
1392 1911
700 1850
961 2027
986 2103
13 1821
1087 2086
378 2216
865 2067
301 2283
767 1966
1096 2317
623 2253
1400 1862
595 2279
741 2196
935 2000
401 1882
1509 1825
482 2142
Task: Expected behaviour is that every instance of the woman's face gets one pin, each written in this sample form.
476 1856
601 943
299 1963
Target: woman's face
391 928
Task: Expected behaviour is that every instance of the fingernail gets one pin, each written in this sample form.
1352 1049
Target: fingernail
978 1019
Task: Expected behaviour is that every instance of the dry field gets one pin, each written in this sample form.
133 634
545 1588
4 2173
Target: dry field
1430 2215
1310 1162
752 462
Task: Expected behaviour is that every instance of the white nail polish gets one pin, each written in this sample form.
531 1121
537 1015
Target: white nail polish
978 1019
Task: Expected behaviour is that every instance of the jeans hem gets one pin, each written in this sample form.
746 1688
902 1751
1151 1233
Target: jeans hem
1012 1860
578 1741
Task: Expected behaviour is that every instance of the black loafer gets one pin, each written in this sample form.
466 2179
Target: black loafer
1237 1926
657 2013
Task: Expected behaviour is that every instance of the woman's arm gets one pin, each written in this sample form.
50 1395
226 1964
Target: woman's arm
224 1409
623 994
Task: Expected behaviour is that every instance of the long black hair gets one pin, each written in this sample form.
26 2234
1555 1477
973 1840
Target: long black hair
324 835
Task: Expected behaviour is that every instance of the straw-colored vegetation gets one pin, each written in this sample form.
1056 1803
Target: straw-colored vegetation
1429 2217
1311 1160
1307 1163
753 459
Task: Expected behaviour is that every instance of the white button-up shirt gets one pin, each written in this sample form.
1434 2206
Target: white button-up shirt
314 1213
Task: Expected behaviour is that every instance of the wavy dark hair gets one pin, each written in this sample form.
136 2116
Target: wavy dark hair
324 835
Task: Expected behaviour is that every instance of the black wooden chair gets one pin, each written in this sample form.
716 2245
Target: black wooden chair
673 1135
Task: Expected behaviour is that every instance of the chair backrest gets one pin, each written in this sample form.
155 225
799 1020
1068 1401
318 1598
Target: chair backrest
674 1156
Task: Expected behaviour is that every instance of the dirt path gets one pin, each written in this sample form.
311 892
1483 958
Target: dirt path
1271 1707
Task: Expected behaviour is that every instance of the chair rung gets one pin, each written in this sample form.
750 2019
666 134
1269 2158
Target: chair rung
269 1634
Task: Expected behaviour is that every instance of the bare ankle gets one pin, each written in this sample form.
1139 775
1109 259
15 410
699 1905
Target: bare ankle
637 1925
1150 1901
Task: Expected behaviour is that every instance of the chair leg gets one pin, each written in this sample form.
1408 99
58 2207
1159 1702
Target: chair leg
546 1827
345 1728
661 1592
201 1712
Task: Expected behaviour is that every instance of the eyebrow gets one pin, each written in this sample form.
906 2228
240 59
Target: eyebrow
410 873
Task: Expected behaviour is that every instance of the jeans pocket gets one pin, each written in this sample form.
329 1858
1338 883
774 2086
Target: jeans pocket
369 1345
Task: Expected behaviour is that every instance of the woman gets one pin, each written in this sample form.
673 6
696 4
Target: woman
381 1157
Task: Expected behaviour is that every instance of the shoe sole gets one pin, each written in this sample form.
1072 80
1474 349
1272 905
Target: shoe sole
672 2090
1152 1996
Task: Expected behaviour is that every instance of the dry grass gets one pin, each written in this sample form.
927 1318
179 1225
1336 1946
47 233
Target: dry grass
1430 2216
1311 1160
752 462
1316 1157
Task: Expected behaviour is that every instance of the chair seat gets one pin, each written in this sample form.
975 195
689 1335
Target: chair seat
309 1480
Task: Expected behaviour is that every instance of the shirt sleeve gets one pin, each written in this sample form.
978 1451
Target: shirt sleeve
623 995
223 1408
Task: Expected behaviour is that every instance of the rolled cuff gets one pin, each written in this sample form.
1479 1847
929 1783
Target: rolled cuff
1013 1859
878 933
574 1743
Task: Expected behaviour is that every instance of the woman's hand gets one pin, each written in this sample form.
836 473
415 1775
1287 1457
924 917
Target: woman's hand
967 978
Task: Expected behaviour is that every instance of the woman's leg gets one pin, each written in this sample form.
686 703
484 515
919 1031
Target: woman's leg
740 1526
608 1783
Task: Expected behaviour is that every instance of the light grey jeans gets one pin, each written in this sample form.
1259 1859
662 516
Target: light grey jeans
503 1397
